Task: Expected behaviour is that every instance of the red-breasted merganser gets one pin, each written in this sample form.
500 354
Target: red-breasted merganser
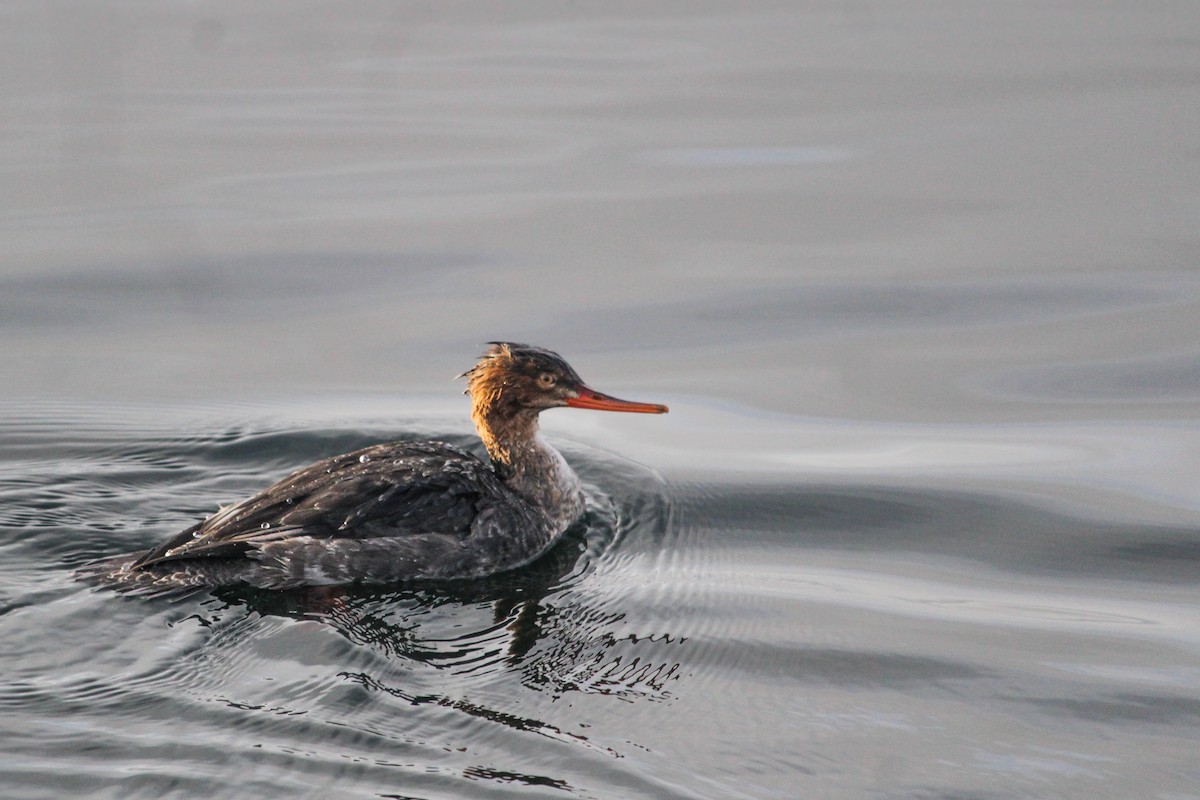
399 511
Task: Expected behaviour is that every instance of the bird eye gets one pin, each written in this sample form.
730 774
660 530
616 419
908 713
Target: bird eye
546 380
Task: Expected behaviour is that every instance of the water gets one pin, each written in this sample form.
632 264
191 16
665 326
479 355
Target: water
918 281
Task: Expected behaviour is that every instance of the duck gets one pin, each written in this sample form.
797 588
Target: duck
399 511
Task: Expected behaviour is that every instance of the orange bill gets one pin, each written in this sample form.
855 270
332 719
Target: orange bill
589 398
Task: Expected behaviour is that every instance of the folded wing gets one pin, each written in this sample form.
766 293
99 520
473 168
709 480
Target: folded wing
395 489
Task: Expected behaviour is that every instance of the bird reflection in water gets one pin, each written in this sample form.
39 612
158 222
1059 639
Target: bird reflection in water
539 603
394 622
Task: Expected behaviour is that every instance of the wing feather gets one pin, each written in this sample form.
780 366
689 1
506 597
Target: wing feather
393 489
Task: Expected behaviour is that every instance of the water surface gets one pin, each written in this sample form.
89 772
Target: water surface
917 279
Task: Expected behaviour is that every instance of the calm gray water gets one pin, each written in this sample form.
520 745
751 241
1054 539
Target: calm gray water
919 281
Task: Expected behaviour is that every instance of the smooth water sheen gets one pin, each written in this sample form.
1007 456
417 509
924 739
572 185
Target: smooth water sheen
918 280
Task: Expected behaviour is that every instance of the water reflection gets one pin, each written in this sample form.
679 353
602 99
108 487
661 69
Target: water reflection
542 623
543 626
408 623
512 721
868 614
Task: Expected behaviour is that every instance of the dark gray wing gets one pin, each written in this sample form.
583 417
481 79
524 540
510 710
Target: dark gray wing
393 489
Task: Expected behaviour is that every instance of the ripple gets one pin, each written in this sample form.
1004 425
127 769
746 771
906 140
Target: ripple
787 313
1155 380
746 156
831 610
1126 709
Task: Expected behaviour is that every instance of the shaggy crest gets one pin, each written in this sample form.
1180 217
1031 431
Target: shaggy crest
507 359
506 397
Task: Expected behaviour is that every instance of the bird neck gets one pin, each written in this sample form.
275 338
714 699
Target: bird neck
526 462
506 435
